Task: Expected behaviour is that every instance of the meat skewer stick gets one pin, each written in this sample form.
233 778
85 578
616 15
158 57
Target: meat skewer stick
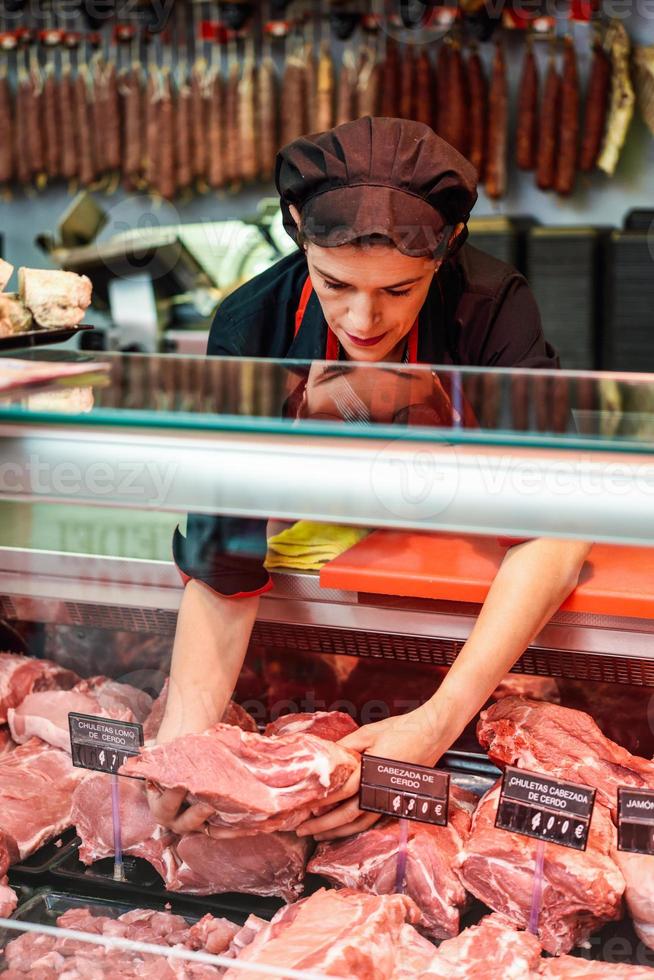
67 118
325 89
247 117
423 88
347 85
478 89
268 119
407 83
549 127
391 84
216 125
498 108
368 96
7 170
294 96
457 128
232 150
597 99
569 122
527 121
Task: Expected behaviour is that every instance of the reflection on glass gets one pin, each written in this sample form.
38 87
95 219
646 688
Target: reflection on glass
496 406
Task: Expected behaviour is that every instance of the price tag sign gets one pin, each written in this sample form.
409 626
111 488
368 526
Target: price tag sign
636 820
101 743
402 790
547 809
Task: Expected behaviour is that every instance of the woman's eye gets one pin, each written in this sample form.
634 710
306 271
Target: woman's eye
398 292
334 285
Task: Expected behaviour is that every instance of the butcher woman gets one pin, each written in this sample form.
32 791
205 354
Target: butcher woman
378 209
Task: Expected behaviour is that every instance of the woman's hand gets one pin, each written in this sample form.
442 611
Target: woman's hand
404 738
167 808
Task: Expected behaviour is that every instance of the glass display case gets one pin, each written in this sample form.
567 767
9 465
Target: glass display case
425 477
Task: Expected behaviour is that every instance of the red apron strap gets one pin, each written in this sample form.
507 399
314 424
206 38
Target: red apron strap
307 291
331 352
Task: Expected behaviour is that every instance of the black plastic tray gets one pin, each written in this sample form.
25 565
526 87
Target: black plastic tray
142 879
45 859
41 337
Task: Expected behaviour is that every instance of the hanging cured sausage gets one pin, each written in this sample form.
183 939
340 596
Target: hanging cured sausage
568 141
498 120
527 121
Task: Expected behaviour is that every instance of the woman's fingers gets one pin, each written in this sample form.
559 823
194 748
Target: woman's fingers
364 822
340 815
192 818
165 806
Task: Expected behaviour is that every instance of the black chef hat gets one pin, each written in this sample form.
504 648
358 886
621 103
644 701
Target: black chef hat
376 176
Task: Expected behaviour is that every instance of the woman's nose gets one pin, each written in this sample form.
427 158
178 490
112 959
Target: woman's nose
363 315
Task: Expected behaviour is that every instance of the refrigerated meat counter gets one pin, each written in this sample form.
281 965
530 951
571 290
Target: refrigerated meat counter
445 469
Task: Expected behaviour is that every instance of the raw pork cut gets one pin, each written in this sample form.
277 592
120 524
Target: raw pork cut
142 837
573 968
528 686
234 715
251 928
491 950
413 955
332 725
8 899
55 298
19 676
37 784
44 714
115 697
638 872
267 864
563 743
581 890
251 782
6 741
368 861
43 956
340 933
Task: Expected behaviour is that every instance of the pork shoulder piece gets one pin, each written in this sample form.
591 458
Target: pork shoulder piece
252 782
19 676
582 889
37 784
54 298
331 725
414 954
44 714
575 968
563 743
6 272
14 318
493 949
368 861
267 864
341 933
6 741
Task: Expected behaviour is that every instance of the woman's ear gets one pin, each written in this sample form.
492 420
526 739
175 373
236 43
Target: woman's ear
455 234
295 214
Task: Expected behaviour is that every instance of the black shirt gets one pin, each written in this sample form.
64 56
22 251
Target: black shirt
478 312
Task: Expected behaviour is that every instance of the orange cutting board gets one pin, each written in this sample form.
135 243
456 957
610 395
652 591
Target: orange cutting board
616 580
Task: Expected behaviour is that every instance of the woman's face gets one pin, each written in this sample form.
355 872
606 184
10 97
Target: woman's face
370 295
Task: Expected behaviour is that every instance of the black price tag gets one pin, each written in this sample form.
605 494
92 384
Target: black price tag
545 808
101 743
636 820
402 790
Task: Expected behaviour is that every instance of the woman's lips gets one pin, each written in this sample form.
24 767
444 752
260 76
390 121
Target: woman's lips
365 342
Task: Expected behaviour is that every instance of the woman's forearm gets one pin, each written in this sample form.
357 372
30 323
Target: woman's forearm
531 584
211 641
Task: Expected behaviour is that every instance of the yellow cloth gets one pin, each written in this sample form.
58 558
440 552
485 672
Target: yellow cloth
309 545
